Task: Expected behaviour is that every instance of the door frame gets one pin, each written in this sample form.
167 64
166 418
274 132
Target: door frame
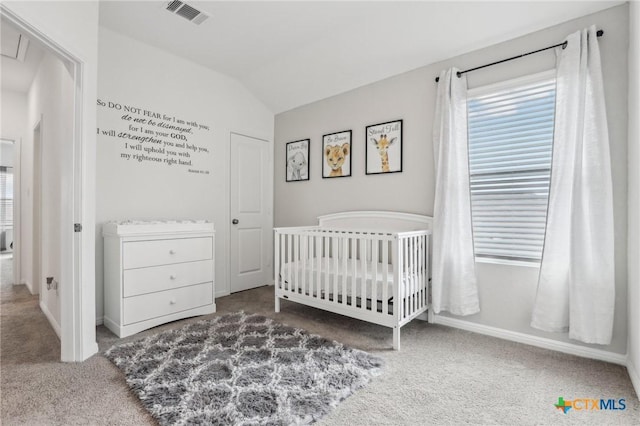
17 210
77 302
36 277
17 223
270 205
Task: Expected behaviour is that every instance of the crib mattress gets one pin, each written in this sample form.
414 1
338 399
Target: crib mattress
345 284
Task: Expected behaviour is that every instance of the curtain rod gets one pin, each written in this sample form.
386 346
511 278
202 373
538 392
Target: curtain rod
600 33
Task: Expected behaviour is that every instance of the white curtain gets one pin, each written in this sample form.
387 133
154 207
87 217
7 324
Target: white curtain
454 276
576 288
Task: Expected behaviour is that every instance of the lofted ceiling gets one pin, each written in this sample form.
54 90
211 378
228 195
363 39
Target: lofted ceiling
295 52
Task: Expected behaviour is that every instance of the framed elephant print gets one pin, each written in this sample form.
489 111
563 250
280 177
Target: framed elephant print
297 156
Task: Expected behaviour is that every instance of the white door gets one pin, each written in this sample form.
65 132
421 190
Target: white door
251 206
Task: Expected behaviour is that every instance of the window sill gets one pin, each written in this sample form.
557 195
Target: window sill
508 262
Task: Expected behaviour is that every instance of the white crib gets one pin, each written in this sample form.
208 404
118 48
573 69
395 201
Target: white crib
369 265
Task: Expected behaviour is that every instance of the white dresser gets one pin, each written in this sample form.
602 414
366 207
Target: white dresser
156 272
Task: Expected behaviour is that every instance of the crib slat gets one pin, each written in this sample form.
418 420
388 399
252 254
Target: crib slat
363 279
409 277
344 266
414 274
325 267
412 253
277 254
385 278
412 281
309 266
405 300
304 243
406 277
298 271
296 258
398 294
374 278
310 269
421 269
354 272
282 243
425 269
277 267
335 255
318 255
414 277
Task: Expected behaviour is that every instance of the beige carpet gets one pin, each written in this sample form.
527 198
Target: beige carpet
441 376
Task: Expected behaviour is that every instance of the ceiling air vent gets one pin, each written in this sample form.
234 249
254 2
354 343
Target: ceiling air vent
190 13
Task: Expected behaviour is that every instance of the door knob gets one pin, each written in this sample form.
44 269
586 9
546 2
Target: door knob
235 221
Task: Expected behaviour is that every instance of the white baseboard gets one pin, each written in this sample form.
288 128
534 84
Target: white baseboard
29 287
99 320
541 342
223 293
47 313
635 377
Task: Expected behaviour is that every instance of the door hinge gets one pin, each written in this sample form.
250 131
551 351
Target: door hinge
77 227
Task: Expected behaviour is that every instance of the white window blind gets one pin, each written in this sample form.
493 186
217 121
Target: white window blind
510 147
6 197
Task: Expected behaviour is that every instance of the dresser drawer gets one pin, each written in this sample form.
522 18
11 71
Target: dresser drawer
153 305
166 277
140 254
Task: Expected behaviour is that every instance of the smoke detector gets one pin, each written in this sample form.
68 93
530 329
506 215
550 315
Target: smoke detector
189 13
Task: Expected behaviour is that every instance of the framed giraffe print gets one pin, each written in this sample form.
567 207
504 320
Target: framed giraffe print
336 154
297 155
383 147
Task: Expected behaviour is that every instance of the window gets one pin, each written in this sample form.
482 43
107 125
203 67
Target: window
510 147
6 197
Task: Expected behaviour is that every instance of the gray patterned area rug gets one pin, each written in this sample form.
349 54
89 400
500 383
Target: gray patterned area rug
241 369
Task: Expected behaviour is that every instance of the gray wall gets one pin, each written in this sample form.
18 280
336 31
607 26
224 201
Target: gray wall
506 292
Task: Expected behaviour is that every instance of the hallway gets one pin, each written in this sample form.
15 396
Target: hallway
26 335
36 387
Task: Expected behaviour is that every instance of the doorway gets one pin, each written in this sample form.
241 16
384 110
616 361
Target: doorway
7 205
251 212
65 192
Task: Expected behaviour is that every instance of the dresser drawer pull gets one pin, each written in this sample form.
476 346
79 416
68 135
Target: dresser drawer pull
172 251
172 301
172 277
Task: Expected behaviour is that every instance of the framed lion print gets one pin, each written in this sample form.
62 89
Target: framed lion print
336 154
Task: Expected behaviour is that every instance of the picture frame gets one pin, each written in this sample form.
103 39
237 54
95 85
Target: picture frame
297 160
336 154
383 148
